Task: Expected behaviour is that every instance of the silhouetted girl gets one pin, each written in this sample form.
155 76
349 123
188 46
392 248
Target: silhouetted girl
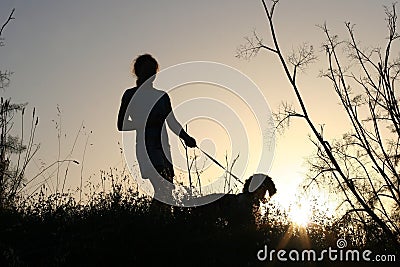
146 109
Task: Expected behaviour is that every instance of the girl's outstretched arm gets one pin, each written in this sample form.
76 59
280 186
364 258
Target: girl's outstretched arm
176 127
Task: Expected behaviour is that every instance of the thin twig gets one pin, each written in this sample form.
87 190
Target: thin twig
7 21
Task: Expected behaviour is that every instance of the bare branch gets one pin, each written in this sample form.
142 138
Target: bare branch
363 163
282 117
252 46
7 21
303 56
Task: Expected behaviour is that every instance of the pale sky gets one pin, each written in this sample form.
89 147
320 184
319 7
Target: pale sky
78 54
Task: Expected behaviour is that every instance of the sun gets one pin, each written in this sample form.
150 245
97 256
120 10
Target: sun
303 209
300 213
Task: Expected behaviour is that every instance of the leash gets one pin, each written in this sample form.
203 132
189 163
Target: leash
220 165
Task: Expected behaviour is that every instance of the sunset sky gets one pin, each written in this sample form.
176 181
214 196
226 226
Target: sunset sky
77 55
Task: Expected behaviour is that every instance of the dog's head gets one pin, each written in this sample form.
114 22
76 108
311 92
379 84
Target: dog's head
258 184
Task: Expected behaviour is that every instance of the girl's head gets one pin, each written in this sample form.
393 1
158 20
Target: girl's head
144 67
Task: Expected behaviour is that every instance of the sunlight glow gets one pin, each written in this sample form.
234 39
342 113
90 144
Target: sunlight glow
302 209
300 213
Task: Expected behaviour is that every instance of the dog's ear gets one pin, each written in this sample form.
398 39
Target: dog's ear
256 181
